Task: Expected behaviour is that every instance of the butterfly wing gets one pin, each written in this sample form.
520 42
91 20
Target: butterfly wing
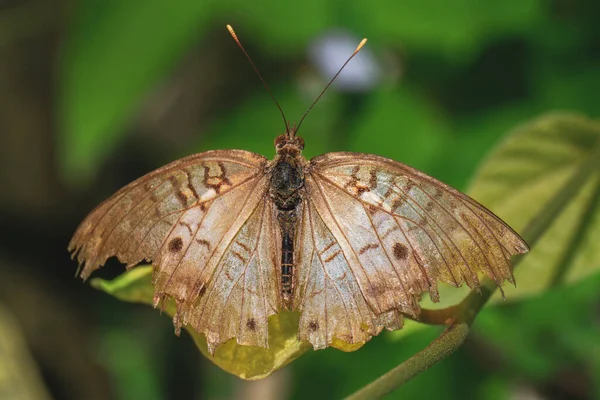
189 218
402 231
245 288
326 292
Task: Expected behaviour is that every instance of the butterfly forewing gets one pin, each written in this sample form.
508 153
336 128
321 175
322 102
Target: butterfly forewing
418 229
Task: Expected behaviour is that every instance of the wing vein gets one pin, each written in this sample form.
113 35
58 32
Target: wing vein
143 219
346 238
212 292
120 220
326 273
384 249
425 215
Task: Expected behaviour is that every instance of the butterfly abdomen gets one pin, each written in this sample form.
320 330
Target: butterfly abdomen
287 264
286 181
287 223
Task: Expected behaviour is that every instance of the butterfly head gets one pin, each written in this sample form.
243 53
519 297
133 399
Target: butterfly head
289 144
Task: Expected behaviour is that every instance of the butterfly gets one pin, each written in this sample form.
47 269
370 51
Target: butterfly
351 241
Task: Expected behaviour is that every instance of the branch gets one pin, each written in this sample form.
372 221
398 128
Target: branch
438 349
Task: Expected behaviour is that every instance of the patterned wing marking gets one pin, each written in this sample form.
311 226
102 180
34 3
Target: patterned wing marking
431 231
326 291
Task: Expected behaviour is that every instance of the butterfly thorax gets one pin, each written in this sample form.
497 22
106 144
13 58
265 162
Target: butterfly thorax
287 179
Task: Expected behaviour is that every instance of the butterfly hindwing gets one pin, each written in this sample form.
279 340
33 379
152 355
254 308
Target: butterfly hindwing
326 291
245 288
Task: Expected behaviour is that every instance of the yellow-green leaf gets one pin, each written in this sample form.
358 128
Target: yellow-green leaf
247 362
523 173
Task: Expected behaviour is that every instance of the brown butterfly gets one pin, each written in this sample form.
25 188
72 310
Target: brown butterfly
349 240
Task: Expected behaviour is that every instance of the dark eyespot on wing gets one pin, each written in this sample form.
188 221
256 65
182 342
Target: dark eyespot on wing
175 245
400 251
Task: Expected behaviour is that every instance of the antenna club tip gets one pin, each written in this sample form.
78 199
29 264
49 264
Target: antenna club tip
360 45
231 31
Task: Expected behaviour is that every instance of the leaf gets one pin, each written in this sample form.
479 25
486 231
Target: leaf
19 374
522 174
246 362
113 56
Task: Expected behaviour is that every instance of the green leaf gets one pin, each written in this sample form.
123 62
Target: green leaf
247 362
115 53
134 286
522 174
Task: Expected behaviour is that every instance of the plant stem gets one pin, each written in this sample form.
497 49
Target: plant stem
439 348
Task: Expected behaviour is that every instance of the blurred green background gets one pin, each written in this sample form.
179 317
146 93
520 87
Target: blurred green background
93 94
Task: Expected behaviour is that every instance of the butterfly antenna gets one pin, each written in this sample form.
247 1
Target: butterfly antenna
234 35
360 46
